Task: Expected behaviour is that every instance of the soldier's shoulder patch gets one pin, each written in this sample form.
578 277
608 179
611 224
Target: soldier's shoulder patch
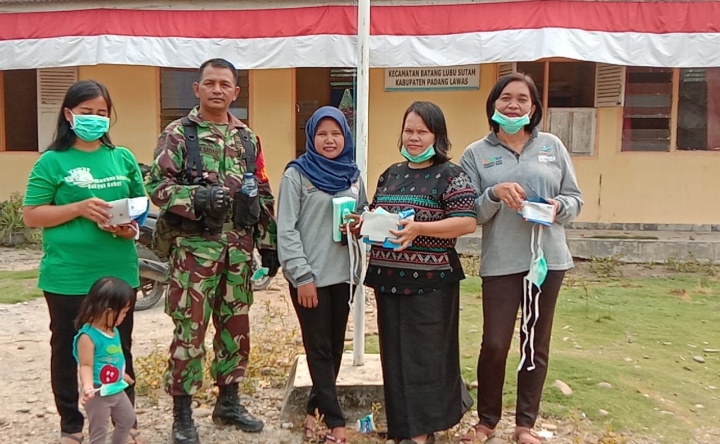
260 170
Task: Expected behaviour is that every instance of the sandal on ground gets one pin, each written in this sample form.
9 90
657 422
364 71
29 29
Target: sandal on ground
526 435
71 436
310 427
330 439
477 434
135 438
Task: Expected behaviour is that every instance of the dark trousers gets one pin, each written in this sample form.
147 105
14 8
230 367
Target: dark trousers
63 367
502 295
420 356
323 333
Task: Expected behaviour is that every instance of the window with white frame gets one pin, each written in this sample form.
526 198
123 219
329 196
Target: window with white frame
30 100
177 97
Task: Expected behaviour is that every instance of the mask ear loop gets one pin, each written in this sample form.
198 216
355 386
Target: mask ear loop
537 305
351 251
357 262
531 303
527 297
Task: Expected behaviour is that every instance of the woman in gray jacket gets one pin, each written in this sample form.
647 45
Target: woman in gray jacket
317 267
522 263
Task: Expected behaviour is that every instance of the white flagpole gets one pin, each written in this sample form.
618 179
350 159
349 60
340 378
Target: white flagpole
361 156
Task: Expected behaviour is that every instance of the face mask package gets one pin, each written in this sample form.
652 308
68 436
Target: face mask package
341 206
541 212
377 225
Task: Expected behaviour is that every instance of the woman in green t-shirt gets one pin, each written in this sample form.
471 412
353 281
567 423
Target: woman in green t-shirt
67 196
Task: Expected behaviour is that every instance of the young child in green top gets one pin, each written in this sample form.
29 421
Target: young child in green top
98 351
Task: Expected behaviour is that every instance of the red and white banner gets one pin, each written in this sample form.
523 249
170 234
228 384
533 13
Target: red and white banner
677 34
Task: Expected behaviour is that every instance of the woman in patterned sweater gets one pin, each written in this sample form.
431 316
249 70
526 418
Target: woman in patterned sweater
417 284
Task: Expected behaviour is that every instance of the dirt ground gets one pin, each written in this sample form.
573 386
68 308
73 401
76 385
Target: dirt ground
28 414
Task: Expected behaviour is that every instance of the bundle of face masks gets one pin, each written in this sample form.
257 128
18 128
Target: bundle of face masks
538 211
377 225
342 206
124 211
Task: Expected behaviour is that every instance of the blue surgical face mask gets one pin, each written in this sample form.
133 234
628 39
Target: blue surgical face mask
511 125
113 388
538 264
420 158
90 127
538 270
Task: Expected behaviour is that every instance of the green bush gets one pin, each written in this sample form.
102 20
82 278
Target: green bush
13 231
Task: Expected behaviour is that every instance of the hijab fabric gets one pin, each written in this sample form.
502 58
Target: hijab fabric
328 175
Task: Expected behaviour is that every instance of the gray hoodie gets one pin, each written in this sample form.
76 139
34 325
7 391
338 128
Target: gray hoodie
306 248
543 168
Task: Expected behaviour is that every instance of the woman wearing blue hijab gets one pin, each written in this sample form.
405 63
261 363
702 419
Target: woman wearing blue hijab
316 267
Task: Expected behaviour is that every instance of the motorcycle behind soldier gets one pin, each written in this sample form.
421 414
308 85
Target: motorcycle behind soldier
208 178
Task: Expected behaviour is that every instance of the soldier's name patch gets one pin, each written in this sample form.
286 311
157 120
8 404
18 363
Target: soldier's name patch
211 151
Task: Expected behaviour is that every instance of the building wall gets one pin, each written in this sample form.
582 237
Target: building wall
272 117
135 94
14 170
675 187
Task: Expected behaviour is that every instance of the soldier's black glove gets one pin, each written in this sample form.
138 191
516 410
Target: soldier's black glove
212 201
270 261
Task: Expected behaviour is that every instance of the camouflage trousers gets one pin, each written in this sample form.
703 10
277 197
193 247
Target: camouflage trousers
202 285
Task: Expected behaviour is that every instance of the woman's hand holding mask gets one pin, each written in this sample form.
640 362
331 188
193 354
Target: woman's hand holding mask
125 231
410 230
355 223
511 193
94 209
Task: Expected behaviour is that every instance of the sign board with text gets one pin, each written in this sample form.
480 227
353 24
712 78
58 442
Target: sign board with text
447 78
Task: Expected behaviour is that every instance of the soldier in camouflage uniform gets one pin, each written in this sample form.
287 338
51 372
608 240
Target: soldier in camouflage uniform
211 270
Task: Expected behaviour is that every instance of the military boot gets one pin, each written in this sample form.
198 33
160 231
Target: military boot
228 411
183 428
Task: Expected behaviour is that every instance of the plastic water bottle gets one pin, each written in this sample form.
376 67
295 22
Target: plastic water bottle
249 186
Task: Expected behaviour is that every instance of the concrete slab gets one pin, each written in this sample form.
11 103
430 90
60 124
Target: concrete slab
632 246
358 387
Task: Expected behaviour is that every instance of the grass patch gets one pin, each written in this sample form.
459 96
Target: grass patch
638 335
18 286
691 265
372 345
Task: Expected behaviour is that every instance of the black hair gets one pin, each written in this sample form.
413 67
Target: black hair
218 63
497 90
107 293
434 119
79 92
